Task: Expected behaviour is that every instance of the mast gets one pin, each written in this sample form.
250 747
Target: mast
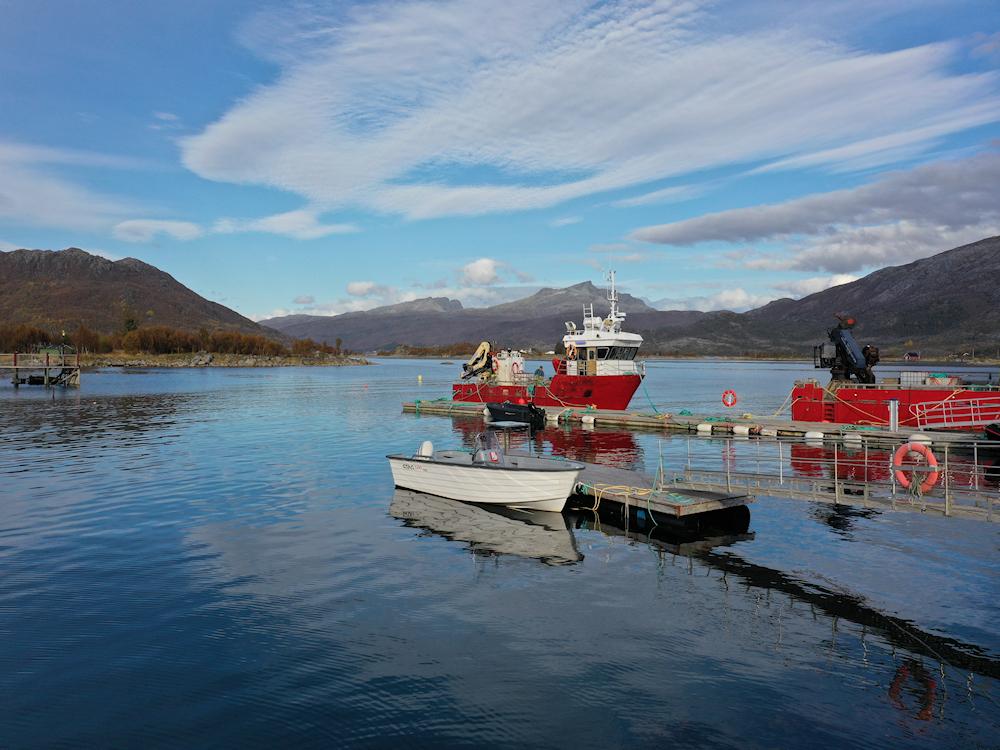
615 315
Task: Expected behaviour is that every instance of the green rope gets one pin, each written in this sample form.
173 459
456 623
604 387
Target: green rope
651 404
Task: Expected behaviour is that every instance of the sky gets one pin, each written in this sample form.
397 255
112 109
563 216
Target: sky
323 157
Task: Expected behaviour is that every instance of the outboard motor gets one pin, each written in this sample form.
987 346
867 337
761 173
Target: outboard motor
845 358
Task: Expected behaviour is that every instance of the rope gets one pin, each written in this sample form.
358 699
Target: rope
646 394
784 403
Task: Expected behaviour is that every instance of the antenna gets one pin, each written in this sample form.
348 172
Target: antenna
613 297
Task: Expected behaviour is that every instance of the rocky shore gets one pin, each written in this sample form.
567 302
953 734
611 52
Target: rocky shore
208 359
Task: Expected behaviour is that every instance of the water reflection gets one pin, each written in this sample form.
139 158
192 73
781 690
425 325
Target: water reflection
490 531
618 448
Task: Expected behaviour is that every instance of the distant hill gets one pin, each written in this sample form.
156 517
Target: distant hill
62 289
941 304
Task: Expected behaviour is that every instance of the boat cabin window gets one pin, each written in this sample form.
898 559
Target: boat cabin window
602 352
621 352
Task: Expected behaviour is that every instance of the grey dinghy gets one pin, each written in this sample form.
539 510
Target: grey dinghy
487 476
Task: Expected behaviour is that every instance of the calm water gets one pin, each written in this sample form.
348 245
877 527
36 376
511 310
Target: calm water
218 558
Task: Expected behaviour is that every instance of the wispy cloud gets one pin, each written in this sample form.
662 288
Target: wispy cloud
145 230
34 193
304 299
565 221
376 104
673 194
300 225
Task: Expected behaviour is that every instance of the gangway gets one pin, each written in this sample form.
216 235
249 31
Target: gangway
954 413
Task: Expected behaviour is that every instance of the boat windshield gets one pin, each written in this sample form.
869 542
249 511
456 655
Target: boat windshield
488 449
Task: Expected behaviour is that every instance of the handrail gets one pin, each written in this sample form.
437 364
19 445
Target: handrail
958 412
37 361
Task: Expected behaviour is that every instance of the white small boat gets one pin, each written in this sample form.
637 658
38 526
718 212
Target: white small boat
487 476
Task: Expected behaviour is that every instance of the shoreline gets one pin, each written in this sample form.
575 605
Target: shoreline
209 359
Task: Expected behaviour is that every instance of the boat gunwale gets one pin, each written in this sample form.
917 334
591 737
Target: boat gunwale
562 465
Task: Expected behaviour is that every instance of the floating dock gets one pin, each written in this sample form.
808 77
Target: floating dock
46 368
707 425
633 489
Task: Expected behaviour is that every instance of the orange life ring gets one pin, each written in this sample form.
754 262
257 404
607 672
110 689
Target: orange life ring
571 350
897 464
729 399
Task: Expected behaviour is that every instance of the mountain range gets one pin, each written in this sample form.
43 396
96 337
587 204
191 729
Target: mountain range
949 302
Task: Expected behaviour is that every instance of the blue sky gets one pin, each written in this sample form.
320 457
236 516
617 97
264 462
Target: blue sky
325 157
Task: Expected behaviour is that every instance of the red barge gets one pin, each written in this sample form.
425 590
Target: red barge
598 370
923 400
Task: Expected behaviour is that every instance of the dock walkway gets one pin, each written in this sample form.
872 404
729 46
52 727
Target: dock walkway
46 369
768 426
635 489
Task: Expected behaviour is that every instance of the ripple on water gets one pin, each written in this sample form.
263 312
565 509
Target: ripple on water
219 558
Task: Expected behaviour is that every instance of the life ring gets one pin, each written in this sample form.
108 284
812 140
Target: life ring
571 350
897 463
494 457
496 364
729 399
515 367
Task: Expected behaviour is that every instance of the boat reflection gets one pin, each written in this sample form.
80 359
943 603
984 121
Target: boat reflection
617 448
965 468
490 531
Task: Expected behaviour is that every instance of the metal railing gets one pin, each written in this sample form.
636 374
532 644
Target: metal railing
856 473
19 360
958 412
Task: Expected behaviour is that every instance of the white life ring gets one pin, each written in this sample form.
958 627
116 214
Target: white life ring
571 350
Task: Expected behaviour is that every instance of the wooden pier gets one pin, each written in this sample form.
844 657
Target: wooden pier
45 368
767 426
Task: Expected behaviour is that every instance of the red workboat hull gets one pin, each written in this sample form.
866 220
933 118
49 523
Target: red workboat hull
598 391
918 407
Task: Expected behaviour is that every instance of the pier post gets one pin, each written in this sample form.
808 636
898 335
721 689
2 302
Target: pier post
893 414
15 380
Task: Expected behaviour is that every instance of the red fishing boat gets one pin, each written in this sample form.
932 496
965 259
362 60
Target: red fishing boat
921 400
598 368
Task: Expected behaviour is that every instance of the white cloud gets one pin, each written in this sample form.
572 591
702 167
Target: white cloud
304 299
166 116
6 247
144 230
736 299
375 105
482 272
805 287
366 289
565 221
300 224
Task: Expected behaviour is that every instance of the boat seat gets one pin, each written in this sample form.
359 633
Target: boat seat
426 449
